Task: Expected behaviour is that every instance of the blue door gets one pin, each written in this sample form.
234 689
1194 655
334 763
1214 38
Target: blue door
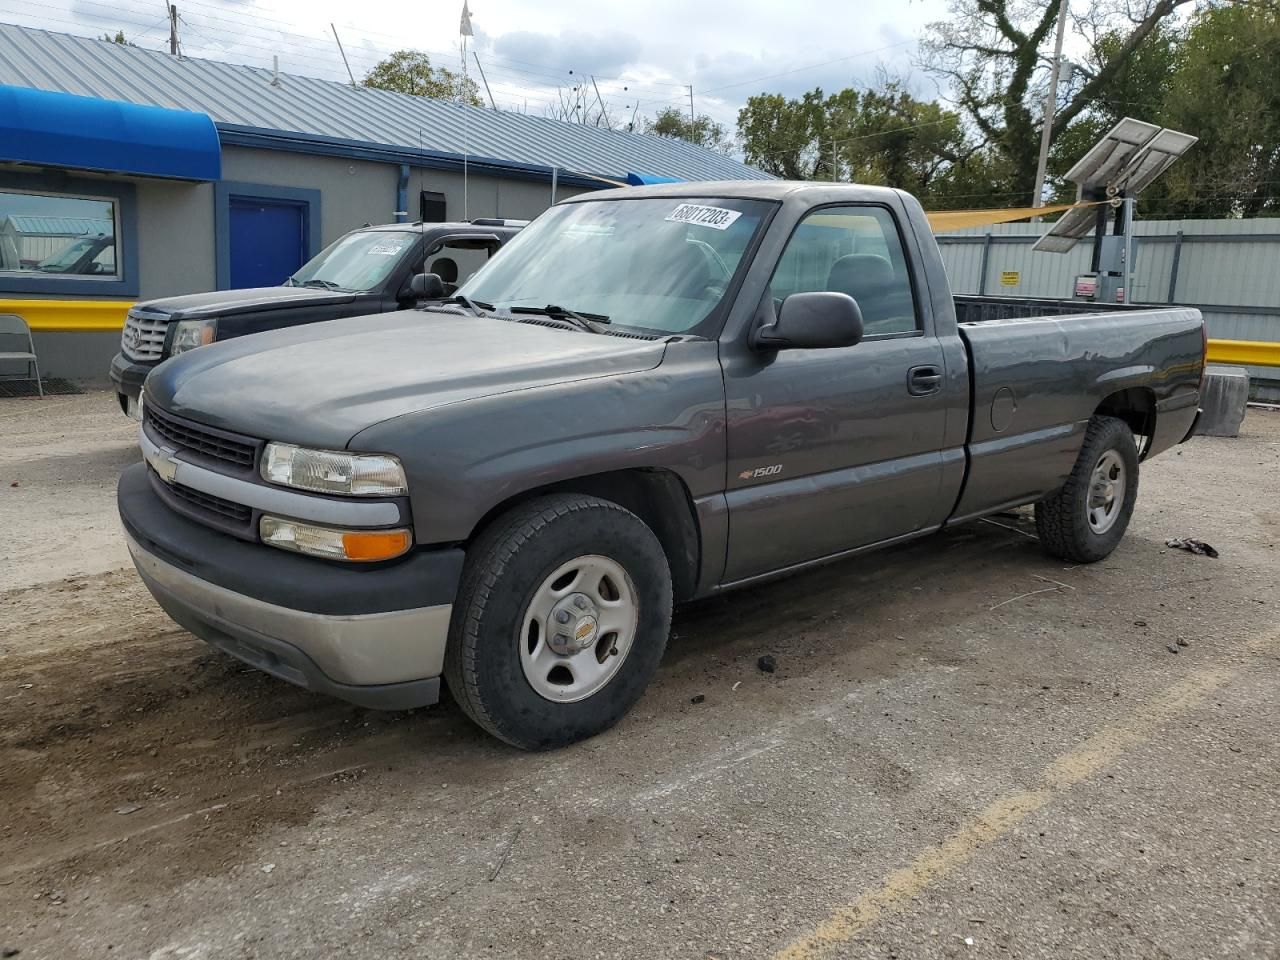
268 241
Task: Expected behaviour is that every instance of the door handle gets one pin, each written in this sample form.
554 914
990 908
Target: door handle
922 381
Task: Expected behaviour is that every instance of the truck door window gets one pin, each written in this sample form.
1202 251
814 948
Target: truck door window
466 260
853 250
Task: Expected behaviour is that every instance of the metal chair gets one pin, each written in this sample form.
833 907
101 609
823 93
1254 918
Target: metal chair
12 325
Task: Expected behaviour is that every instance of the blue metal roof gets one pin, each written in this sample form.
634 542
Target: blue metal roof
88 133
310 115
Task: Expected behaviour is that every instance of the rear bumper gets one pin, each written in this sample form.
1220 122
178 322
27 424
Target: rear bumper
127 377
374 636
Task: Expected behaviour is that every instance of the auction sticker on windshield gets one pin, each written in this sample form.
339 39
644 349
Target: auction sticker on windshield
717 218
387 248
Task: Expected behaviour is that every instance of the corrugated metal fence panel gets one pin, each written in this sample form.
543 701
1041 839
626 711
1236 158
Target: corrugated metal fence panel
1039 275
1245 273
964 265
1153 263
1242 326
1234 270
1218 264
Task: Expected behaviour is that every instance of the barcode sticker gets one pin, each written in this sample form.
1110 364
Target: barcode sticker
717 218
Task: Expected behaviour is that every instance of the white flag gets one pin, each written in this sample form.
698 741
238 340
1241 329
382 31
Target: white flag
464 27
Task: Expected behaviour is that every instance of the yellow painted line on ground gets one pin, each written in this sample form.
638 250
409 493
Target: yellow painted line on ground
1254 353
1006 812
69 316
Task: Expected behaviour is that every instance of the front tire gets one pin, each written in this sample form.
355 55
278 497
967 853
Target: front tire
1086 519
561 620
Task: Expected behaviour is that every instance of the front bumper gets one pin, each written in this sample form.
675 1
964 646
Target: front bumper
374 636
127 377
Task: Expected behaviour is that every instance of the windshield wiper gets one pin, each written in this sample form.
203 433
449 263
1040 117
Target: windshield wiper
587 321
475 306
323 284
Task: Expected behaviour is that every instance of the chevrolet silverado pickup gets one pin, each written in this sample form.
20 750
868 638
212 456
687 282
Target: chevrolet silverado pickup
654 394
367 271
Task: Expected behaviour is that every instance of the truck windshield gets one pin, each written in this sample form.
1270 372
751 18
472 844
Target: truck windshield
359 261
655 264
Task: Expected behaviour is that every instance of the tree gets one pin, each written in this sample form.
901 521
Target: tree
703 131
878 136
118 38
990 54
1225 89
576 106
1212 76
787 137
410 71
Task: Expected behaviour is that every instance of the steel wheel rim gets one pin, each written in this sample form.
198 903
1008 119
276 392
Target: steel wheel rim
1106 492
578 628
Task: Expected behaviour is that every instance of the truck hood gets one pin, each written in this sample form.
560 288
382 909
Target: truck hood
321 384
225 303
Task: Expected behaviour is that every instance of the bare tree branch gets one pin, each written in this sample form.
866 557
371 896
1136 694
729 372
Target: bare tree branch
1158 12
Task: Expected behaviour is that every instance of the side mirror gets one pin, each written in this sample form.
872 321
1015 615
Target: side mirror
813 321
423 286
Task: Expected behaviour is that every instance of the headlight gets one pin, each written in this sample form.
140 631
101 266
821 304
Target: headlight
366 546
189 334
331 471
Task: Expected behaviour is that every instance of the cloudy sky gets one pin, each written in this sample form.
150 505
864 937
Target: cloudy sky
642 56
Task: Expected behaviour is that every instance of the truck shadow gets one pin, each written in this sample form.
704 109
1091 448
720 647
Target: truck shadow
160 722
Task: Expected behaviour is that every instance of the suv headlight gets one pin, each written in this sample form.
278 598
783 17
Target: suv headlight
332 471
189 334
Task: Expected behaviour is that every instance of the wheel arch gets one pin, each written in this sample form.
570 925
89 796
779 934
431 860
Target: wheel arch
658 497
1136 406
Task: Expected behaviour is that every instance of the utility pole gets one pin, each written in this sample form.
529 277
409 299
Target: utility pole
173 30
350 75
692 122
1050 108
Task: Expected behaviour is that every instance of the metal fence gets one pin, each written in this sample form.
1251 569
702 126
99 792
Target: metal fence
1229 269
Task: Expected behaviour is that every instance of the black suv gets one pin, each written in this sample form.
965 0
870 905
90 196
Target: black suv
370 270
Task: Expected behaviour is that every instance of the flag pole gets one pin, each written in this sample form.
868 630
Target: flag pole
464 31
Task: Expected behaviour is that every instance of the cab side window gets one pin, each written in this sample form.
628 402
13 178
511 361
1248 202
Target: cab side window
853 250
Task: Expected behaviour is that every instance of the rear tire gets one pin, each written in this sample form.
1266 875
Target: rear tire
561 620
1085 520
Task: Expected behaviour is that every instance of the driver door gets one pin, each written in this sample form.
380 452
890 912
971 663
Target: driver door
830 450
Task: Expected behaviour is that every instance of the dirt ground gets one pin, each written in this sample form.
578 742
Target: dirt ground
968 749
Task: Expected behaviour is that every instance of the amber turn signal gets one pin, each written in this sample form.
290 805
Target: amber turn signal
377 545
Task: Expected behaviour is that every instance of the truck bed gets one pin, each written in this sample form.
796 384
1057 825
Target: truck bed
1040 368
972 308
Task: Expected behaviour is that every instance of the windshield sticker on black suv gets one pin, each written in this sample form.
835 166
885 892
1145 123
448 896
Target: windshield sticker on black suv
717 218
387 248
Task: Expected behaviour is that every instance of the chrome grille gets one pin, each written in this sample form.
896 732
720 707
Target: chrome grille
143 336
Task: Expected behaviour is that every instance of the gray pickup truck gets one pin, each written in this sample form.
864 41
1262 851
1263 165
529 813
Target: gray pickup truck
653 395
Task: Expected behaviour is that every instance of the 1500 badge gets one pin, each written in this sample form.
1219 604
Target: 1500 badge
770 471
